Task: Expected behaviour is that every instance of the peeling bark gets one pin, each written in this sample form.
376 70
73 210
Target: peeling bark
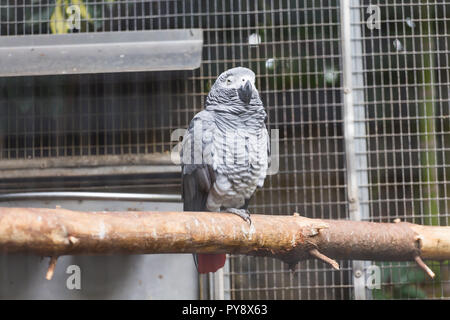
56 232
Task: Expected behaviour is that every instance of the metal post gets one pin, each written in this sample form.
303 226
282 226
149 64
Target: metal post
354 132
220 283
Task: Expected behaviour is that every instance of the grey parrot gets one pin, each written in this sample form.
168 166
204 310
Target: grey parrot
225 153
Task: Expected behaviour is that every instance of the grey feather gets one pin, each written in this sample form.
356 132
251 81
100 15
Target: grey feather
225 153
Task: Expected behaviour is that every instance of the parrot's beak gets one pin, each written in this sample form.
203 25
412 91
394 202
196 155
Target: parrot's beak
245 92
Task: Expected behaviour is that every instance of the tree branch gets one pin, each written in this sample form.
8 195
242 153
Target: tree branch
51 268
56 232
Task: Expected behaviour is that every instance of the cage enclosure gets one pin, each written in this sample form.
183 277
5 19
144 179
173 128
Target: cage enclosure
358 89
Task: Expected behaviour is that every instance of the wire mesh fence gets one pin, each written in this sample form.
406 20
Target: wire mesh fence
406 83
295 49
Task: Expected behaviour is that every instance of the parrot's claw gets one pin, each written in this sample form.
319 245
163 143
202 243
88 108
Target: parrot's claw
243 213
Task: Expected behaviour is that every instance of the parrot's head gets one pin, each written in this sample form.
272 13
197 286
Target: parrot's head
235 88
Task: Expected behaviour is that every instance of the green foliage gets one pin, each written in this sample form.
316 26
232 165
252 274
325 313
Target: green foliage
404 282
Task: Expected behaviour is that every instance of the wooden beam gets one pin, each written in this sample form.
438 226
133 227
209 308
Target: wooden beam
56 232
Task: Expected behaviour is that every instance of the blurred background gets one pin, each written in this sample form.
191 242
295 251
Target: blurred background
400 73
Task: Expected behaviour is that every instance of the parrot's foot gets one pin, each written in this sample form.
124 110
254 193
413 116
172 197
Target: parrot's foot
243 213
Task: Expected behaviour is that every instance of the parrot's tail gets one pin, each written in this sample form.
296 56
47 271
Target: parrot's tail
209 262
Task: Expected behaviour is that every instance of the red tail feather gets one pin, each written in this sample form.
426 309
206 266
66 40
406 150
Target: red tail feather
210 262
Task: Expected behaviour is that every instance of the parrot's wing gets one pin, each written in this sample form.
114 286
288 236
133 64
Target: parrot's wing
265 149
196 160
269 159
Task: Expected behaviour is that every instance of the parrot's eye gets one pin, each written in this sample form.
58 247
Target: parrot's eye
229 80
